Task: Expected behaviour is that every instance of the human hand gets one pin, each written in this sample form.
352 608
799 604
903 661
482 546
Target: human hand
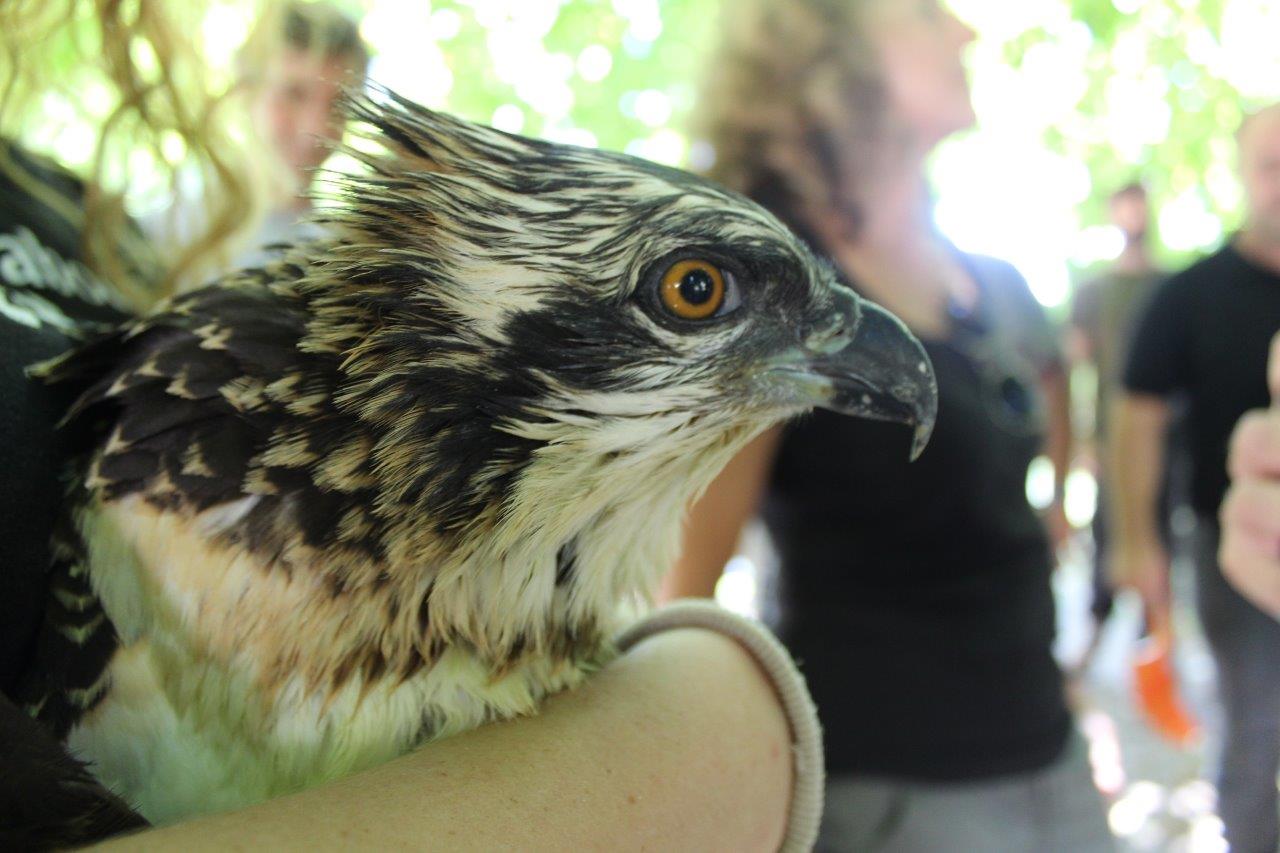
1250 551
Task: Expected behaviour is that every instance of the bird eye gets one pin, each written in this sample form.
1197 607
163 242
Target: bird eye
695 290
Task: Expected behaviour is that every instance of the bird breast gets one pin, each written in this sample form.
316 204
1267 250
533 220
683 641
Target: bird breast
228 686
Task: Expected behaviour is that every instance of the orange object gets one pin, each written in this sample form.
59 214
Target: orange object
1156 684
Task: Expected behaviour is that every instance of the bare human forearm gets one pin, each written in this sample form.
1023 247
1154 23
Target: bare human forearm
1059 443
1058 439
1137 464
715 521
680 744
1137 459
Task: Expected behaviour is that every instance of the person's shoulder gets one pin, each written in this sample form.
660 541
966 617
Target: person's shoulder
1205 269
1196 280
1002 282
18 162
1092 284
995 271
1090 289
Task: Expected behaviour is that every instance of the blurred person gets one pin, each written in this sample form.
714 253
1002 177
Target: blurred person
1103 314
728 719
290 74
294 67
917 596
1206 335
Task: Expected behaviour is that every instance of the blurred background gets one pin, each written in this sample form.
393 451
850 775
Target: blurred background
1075 98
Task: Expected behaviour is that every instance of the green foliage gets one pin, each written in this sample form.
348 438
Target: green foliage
669 64
1184 66
1158 101
1164 56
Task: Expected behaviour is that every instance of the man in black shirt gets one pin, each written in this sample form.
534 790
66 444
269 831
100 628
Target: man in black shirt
1206 335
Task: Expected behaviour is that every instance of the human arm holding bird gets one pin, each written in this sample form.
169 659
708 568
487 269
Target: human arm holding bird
641 754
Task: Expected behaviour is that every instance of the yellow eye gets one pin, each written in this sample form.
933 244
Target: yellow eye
693 290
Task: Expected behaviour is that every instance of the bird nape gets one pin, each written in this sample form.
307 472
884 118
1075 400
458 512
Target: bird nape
406 479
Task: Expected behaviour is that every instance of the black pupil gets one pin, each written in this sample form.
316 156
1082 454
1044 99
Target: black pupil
697 287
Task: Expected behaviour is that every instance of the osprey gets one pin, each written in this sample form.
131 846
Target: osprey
406 479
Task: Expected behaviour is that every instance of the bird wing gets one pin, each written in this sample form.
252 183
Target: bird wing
175 404
176 408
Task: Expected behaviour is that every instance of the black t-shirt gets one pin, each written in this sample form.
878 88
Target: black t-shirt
47 299
1207 333
916 596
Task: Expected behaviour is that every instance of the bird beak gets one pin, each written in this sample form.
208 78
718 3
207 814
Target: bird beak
864 362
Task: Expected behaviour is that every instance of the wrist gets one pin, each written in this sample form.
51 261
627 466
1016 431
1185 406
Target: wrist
1148 541
1137 537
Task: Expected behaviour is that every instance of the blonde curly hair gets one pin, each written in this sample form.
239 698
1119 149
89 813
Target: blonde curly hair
794 106
136 72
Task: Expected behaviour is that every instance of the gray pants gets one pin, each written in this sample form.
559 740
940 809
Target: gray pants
1054 810
1245 643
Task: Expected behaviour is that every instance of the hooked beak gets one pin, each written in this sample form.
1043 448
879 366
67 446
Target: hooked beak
867 364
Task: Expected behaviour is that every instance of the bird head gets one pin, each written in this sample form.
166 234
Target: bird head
561 346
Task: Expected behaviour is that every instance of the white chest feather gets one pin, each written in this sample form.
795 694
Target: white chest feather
197 740
218 696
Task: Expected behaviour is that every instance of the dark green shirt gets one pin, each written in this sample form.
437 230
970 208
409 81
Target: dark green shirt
1106 310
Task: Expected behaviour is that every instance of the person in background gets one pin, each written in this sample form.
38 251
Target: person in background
1206 335
290 75
918 595
1103 314
293 68
583 774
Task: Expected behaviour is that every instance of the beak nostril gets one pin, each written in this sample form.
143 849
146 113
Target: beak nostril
905 393
832 337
